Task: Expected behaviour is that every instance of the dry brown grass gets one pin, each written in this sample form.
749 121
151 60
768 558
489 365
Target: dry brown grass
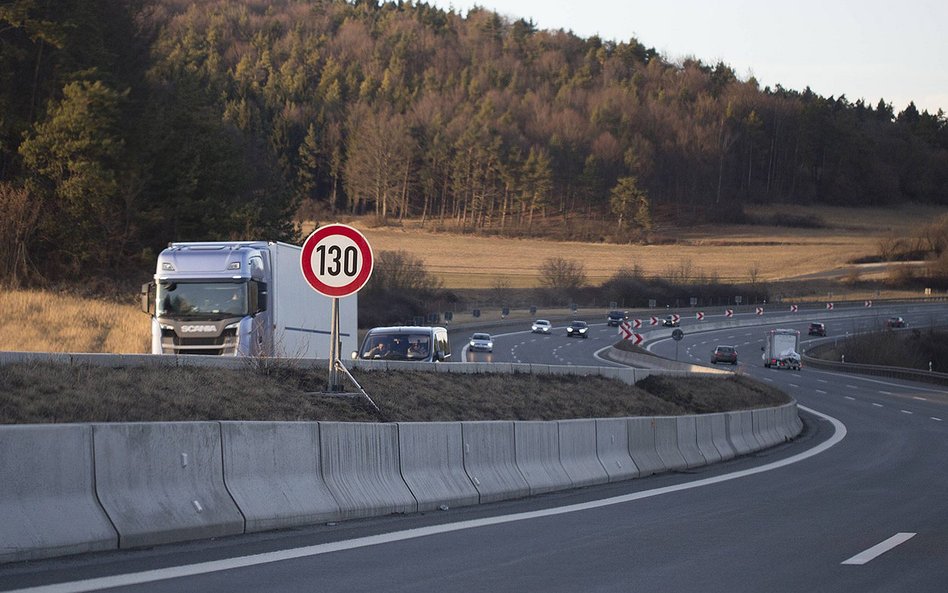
41 321
56 393
727 253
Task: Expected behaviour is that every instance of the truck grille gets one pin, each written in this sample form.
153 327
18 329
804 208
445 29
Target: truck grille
225 344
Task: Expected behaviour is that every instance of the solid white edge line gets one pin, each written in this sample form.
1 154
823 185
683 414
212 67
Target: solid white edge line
161 574
879 549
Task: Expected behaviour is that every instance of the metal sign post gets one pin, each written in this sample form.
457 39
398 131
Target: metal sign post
336 261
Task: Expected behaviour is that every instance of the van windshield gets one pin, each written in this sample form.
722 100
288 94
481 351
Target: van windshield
400 346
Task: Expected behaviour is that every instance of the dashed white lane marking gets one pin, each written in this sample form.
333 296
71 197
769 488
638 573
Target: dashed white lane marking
886 392
852 387
821 391
850 398
921 399
936 419
878 405
822 381
879 549
793 385
907 412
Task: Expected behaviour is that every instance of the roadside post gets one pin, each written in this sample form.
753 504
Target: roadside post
677 335
336 262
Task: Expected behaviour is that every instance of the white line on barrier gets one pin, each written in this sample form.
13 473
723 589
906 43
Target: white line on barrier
879 549
161 574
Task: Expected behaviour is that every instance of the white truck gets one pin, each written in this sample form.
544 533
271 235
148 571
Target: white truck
244 298
781 349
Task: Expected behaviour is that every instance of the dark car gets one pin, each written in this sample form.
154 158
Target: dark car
670 321
724 354
615 318
817 329
894 323
577 329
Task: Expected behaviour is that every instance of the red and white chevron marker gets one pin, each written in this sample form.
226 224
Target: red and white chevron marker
637 339
829 306
729 312
625 331
868 303
793 308
676 317
636 323
759 311
699 315
654 321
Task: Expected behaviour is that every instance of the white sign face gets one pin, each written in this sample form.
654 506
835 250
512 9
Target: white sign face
336 260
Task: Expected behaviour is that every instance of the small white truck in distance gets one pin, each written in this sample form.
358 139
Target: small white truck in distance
243 298
781 349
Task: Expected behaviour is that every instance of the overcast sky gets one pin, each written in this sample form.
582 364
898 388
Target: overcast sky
897 51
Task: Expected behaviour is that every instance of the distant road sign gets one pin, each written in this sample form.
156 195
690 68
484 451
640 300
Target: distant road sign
336 260
677 335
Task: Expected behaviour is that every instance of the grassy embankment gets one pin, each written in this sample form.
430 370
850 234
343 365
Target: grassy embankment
46 393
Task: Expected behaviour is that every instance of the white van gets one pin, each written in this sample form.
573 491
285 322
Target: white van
414 343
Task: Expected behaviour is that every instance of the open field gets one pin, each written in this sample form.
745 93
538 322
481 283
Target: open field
728 254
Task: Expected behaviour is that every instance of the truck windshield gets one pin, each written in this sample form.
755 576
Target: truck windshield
202 299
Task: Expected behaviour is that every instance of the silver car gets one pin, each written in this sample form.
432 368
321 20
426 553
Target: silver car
542 326
481 342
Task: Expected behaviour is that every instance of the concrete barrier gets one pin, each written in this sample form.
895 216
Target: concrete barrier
47 497
272 471
687 428
361 467
740 432
537 449
719 436
578 452
432 463
666 443
705 439
163 482
642 447
612 448
764 428
490 460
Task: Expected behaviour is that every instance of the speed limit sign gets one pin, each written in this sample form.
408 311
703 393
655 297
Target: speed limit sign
336 260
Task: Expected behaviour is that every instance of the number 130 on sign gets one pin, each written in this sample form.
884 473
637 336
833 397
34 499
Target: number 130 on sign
336 260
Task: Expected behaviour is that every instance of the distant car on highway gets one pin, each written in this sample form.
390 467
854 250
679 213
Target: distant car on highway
670 321
724 354
816 329
894 323
577 329
541 326
615 318
481 342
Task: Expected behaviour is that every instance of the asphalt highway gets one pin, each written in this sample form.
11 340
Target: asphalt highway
856 504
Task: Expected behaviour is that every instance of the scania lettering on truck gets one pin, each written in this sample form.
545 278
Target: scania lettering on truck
241 299
781 349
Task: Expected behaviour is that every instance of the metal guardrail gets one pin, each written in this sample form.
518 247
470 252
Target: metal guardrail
871 369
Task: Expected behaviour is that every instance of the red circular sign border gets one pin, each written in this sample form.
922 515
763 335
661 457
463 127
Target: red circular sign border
309 245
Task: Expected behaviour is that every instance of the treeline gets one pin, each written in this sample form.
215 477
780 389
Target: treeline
129 123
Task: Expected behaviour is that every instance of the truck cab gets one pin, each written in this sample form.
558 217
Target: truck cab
210 298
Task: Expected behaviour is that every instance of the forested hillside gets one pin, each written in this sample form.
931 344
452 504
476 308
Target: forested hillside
125 124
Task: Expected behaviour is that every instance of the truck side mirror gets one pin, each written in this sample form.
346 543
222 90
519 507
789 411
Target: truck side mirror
146 296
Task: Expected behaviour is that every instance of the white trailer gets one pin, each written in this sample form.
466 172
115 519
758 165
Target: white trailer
245 298
781 349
